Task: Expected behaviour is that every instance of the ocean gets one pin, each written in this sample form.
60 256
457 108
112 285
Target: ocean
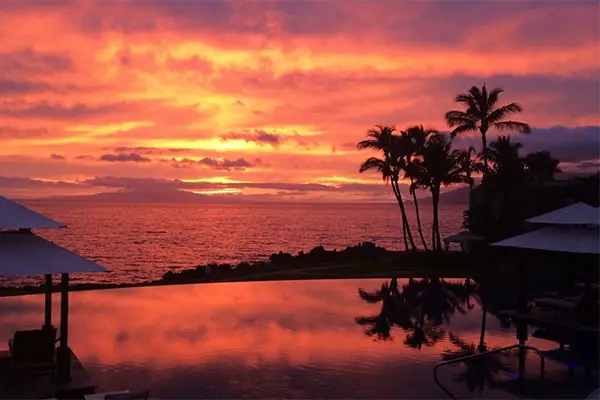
140 242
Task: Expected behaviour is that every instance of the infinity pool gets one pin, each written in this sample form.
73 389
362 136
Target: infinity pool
293 339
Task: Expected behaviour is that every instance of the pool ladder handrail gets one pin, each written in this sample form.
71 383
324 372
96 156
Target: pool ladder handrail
486 353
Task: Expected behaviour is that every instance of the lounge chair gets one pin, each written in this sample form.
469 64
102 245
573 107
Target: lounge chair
556 303
119 395
33 350
139 395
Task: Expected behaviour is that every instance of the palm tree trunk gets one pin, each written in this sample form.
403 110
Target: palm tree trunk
485 153
420 229
433 241
399 200
404 218
436 224
481 346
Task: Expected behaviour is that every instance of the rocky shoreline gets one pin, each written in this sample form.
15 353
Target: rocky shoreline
363 260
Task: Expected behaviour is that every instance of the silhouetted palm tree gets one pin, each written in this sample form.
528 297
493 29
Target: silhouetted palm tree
415 138
478 372
481 113
394 311
507 168
470 164
541 167
382 138
439 166
420 309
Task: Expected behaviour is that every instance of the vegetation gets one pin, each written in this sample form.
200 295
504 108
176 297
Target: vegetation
390 166
482 113
419 308
425 159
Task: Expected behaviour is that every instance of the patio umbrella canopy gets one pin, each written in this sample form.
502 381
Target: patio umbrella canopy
557 239
15 216
24 254
575 214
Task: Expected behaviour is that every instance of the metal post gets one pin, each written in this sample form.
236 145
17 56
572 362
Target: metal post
48 307
64 353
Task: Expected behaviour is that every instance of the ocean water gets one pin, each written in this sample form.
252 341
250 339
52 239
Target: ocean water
140 242
294 339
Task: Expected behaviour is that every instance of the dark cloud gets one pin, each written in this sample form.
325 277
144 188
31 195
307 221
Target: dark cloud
567 144
450 23
29 62
11 132
258 136
148 150
133 183
124 157
84 157
55 156
152 185
224 164
7 182
589 165
55 111
13 87
141 183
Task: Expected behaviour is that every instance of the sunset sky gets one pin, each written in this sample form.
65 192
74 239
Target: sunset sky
269 98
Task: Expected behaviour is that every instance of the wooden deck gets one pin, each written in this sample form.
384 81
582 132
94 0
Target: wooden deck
42 386
548 319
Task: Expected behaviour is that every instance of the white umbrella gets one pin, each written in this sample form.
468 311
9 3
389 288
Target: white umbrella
557 238
15 216
575 214
22 253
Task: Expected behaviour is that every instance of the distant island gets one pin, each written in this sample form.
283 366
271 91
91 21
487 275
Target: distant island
459 196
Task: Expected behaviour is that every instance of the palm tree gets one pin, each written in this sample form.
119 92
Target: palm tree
482 113
438 167
382 138
469 164
479 372
507 165
541 167
507 181
415 139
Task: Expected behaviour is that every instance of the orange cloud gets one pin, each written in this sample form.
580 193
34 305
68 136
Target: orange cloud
294 86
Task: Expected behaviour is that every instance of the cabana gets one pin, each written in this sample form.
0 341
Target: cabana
575 214
22 253
570 230
564 239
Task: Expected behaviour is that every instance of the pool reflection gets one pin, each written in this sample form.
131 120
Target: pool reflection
268 339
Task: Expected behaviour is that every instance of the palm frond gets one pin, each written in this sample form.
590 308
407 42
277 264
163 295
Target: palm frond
493 97
499 114
520 127
469 127
368 144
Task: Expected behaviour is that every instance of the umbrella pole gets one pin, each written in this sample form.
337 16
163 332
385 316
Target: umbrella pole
64 353
48 307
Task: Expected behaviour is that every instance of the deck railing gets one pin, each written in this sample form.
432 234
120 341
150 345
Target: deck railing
487 353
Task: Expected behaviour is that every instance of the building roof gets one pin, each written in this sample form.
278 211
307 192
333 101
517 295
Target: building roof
15 216
575 214
26 254
567 239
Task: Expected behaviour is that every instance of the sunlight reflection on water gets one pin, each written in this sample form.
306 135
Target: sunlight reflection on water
142 242
255 339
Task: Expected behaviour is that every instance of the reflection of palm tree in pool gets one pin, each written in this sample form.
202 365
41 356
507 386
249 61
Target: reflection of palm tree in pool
479 372
420 308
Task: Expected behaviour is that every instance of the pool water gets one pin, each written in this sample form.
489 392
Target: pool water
293 339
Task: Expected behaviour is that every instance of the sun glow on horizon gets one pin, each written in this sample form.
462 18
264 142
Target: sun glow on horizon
258 94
